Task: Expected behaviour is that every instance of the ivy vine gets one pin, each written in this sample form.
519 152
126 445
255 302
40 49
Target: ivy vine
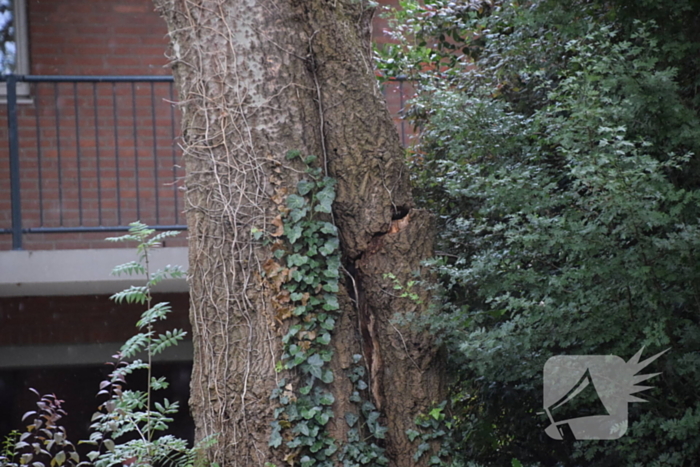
361 450
306 265
434 426
304 274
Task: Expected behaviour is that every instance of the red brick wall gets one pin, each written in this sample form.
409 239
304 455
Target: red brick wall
96 37
86 319
127 130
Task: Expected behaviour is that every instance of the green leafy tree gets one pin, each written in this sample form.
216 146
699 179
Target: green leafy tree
558 146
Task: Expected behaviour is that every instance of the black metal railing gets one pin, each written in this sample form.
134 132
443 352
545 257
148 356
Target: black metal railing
89 154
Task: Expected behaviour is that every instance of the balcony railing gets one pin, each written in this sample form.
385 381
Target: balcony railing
89 154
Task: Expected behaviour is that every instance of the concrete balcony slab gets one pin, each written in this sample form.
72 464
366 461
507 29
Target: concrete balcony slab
80 272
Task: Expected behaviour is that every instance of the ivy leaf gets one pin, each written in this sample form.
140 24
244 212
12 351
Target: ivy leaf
292 154
331 449
436 413
351 419
328 324
297 260
327 399
315 360
329 247
316 446
295 201
331 273
328 228
310 413
325 199
328 182
331 302
314 371
324 339
298 360
423 447
297 214
326 355
333 262
322 419
297 276
295 442
305 186
293 232
372 418
327 376
302 428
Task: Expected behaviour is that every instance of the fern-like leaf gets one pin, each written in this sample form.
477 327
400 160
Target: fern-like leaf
136 344
159 311
130 268
168 272
134 294
169 339
155 241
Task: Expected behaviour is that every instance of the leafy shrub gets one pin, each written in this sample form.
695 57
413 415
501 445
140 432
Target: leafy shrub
558 143
127 428
44 442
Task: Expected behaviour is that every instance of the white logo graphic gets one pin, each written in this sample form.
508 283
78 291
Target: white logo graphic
586 396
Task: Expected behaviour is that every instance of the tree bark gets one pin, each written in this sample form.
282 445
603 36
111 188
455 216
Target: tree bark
257 79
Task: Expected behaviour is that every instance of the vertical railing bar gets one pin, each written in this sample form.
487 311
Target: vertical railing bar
97 153
155 151
116 154
58 153
172 147
13 138
78 153
39 161
136 151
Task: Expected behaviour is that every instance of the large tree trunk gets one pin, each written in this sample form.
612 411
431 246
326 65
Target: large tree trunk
257 79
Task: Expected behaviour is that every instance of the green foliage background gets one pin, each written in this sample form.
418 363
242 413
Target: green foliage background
558 146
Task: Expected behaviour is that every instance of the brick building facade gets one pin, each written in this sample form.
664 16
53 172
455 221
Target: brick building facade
99 154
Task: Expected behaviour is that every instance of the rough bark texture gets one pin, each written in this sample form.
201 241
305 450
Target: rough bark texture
257 79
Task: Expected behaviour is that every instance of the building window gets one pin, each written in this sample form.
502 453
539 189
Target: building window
14 50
